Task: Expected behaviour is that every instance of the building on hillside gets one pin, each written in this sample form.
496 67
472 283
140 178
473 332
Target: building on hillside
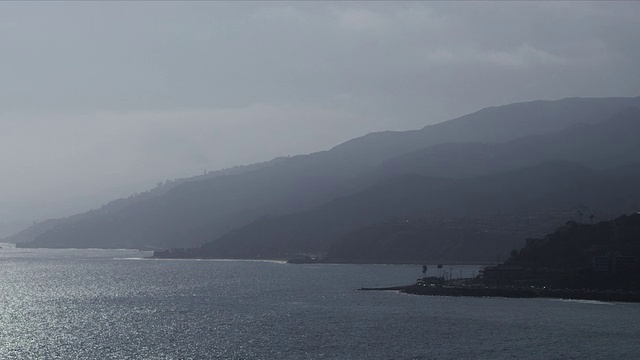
613 262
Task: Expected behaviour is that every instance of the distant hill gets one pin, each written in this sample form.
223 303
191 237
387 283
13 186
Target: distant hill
533 190
370 226
602 255
194 212
501 211
600 146
39 228
489 125
574 245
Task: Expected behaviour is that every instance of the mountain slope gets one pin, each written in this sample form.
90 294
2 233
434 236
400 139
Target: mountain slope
30 233
490 125
602 145
611 142
194 212
548 188
502 212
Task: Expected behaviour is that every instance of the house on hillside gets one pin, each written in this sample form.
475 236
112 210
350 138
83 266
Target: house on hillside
613 262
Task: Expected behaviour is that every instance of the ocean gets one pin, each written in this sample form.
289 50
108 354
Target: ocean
111 304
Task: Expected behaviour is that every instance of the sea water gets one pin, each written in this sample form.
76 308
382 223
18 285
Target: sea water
110 304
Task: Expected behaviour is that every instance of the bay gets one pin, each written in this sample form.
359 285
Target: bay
111 304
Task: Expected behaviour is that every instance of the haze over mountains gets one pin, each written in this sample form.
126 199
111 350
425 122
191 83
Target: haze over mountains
459 190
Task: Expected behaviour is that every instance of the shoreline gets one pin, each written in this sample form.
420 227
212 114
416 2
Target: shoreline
295 262
308 261
524 293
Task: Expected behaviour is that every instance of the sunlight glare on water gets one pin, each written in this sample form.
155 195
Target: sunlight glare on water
102 304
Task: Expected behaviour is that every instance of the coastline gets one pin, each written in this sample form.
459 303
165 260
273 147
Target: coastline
181 254
583 294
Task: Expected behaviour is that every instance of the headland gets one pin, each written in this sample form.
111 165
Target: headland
578 261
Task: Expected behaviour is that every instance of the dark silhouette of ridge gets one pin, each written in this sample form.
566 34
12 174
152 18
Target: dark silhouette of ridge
340 226
194 212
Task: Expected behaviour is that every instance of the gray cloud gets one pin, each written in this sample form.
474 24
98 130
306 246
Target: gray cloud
99 94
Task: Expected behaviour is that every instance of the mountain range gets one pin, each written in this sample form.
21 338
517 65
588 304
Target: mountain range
528 160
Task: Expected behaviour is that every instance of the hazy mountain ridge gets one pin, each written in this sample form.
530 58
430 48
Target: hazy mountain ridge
197 211
517 211
39 228
536 188
532 193
601 145
490 125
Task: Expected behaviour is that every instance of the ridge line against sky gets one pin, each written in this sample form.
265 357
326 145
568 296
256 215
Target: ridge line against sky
103 99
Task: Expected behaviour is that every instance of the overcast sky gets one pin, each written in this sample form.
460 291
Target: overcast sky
98 99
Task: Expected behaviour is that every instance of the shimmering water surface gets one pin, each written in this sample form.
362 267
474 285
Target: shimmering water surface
105 304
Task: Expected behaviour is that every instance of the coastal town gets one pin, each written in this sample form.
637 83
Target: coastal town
578 261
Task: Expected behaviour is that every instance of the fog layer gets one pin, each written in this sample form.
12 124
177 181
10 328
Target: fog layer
100 100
